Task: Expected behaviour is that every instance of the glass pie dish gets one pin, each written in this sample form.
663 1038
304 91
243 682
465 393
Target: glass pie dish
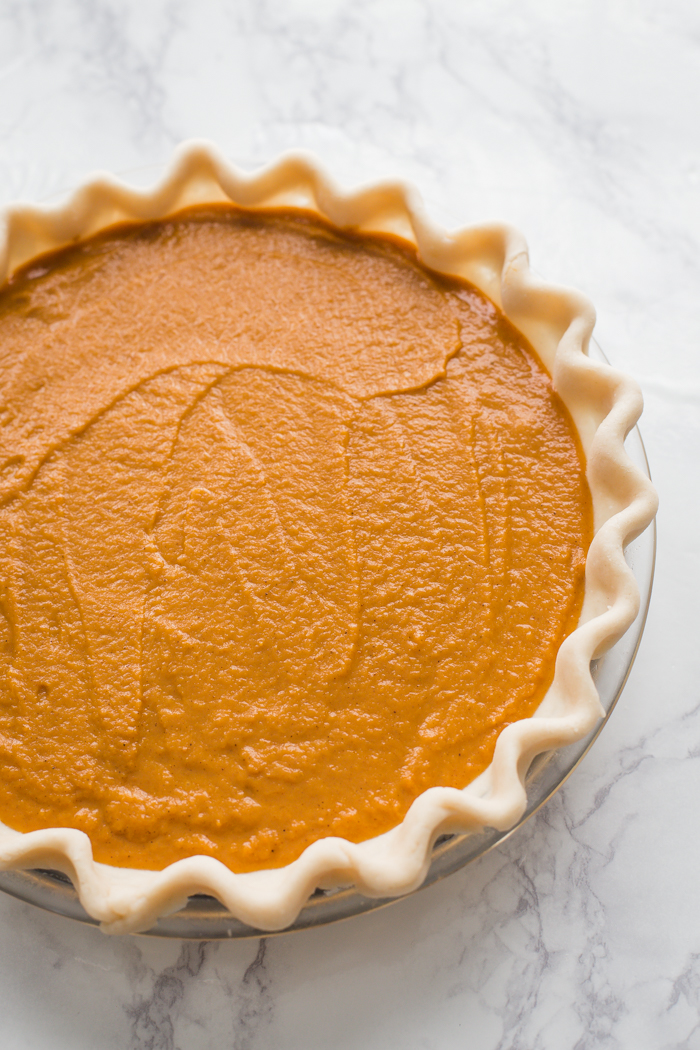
604 406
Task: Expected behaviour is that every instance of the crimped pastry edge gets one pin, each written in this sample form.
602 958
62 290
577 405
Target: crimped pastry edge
604 404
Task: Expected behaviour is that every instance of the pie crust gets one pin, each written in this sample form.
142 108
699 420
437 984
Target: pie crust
604 405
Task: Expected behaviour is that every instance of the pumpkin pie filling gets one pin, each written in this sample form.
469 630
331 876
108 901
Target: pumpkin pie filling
291 528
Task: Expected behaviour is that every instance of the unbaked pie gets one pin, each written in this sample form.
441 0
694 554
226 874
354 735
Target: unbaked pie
294 528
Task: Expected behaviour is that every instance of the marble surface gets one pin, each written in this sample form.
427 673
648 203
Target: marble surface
579 124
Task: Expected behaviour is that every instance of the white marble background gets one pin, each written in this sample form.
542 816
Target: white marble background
579 122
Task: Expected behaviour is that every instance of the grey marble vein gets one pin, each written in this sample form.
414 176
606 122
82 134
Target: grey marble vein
151 1017
255 1002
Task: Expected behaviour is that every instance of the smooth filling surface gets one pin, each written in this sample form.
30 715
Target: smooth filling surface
290 529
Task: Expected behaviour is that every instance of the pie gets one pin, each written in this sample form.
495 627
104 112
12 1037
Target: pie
294 531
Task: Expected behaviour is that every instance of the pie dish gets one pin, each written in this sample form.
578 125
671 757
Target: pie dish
603 406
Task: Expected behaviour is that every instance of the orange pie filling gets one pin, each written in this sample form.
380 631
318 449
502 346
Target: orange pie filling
291 528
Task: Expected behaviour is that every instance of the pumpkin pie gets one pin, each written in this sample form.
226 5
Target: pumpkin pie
295 511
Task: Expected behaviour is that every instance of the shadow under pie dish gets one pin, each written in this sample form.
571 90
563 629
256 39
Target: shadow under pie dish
282 475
